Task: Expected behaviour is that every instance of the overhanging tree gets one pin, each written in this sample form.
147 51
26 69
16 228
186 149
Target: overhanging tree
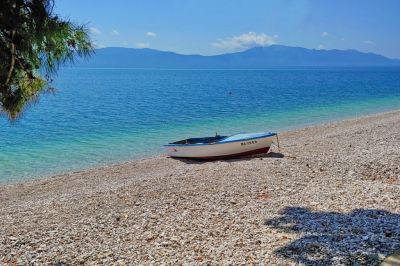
33 43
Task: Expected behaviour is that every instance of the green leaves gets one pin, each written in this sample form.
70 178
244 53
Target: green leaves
33 41
25 91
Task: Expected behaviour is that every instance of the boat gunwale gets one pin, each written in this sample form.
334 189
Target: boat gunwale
269 134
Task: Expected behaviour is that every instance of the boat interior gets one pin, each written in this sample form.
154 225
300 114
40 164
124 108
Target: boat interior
204 140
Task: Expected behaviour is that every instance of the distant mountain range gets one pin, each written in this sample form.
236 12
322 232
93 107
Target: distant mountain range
258 57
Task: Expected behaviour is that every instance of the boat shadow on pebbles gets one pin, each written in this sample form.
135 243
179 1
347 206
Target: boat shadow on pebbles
361 237
276 155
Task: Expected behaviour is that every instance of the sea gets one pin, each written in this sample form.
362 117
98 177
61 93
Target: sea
105 116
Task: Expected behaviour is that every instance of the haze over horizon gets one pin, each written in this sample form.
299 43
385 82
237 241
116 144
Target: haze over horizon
240 51
218 27
253 58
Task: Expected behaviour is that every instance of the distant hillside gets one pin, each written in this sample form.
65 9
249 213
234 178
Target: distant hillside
259 57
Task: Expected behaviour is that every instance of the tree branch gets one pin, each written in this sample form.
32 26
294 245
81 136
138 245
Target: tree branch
12 59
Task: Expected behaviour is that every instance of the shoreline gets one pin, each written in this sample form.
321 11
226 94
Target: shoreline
285 207
11 181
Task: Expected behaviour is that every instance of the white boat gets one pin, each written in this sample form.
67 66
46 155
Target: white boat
221 147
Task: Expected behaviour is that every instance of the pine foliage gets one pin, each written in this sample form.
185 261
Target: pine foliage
33 43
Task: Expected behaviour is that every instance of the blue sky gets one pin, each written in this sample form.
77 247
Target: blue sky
218 26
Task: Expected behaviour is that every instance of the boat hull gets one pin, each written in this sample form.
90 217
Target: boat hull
221 150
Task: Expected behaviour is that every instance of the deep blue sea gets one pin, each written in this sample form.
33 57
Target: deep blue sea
101 116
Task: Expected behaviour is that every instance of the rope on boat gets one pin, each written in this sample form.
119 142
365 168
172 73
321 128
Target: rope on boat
291 155
277 142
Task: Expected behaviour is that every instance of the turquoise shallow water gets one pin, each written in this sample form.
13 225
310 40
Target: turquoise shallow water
109 115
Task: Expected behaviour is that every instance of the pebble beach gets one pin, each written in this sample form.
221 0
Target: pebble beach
329 196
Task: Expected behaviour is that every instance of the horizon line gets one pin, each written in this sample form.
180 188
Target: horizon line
247 49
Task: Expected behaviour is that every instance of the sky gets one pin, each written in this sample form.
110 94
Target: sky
211 27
